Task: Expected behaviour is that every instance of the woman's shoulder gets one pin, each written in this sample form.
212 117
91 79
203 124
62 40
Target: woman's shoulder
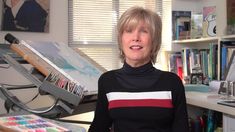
108 74
166 73
169 75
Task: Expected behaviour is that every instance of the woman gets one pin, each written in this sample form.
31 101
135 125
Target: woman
139 97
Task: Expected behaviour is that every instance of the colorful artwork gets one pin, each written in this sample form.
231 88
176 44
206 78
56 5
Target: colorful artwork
30 123
68 62
209 21
196 25
181 24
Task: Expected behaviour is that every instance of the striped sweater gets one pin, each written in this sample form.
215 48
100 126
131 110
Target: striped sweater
142 99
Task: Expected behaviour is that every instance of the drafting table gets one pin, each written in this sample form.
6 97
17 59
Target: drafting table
5 49
88 101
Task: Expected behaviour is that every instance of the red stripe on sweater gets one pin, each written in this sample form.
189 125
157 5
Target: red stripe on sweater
164 103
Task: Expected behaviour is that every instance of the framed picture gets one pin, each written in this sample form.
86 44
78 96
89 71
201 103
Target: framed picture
25 15
230 17
209 21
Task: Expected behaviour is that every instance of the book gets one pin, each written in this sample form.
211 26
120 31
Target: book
227 48
186 64
201 62
204 62
175 64
194 61
213 50
209 21
181 24
29 123
223 61
179 67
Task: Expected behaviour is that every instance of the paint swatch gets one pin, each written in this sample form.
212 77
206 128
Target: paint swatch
30 123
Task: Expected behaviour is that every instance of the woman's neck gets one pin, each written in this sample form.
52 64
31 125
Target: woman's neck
14 3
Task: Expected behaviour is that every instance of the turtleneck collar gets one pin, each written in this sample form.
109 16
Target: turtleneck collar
137 70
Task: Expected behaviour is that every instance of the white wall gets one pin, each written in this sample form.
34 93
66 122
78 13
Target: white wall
187 5
58 25
192 5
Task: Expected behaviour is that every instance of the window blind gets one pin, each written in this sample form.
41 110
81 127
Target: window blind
92 27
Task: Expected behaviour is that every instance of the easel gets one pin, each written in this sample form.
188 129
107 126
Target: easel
44 87
69 102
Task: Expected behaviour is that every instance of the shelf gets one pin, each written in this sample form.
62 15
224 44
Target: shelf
210 39
208 100
228 37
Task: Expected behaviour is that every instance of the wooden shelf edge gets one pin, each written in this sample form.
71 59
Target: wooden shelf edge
228 37
210 39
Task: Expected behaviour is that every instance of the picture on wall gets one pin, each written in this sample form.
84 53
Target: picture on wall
25 15
209 21
230 17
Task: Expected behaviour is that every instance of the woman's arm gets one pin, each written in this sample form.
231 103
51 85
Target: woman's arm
102 121
180 123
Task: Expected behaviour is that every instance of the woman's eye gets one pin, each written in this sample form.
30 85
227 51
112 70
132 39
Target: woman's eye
128 30
144 30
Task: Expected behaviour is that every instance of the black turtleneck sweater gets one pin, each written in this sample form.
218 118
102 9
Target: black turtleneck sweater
142 99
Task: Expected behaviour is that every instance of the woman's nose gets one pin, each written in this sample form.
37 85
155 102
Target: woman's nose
136 36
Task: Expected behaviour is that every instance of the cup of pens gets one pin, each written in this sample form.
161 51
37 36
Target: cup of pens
227 90
232 89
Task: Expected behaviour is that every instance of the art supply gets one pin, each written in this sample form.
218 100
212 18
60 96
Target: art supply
30 123
215 84
69 63
64 83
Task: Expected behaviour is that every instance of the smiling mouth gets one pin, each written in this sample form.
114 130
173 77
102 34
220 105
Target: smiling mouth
136 47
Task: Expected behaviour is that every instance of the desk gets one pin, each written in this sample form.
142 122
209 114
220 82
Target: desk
72 127
209 101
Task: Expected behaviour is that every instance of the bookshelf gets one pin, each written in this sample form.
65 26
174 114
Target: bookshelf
200 40
230 37
204 42
201 44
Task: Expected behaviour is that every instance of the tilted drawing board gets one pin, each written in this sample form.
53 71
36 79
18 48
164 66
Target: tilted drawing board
230 72
54 57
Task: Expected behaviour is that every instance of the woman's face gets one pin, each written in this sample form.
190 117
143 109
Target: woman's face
137 45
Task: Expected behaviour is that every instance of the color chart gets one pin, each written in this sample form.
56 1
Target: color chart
30 123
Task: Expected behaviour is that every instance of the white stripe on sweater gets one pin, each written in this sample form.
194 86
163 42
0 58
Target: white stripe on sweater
138 95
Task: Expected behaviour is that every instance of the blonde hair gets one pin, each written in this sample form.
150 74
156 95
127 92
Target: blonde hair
131 18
